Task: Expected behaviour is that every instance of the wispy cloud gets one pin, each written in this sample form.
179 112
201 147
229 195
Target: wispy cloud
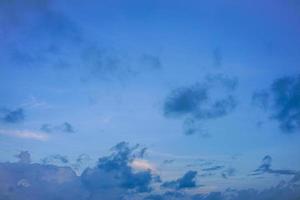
25 134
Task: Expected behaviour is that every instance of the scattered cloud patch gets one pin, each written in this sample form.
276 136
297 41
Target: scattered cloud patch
228 172
213 98
24 157
65 127
266 165
12 116
282 102
188 180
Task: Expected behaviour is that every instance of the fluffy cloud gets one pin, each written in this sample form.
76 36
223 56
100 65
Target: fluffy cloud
210 99
282 102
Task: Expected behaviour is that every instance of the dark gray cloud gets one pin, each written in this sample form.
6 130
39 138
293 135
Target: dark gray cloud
188 180
282 102
213 98
12 116
65 127
266 165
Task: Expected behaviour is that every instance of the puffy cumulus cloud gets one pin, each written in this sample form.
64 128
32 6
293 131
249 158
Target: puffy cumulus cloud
24 134
65 127
12 116
188 180
265 167
282 102
213 98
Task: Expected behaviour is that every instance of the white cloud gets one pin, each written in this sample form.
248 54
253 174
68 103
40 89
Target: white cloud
25 134
140 164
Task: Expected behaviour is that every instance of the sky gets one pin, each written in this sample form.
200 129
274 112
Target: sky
154 100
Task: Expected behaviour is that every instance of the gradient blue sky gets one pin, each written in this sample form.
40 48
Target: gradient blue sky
79 77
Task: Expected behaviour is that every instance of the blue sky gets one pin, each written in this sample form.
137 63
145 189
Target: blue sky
210 89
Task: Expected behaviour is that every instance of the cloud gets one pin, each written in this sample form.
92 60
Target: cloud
25 134
214 168
168 161
24 181
284 190
188 180
24 157
217 57
65 127
12 116
114 178
143 165
151 61
228 172
265 167
36 33
282 102
213 98
39 34
54 159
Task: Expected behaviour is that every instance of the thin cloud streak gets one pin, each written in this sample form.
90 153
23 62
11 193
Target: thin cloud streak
24 134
